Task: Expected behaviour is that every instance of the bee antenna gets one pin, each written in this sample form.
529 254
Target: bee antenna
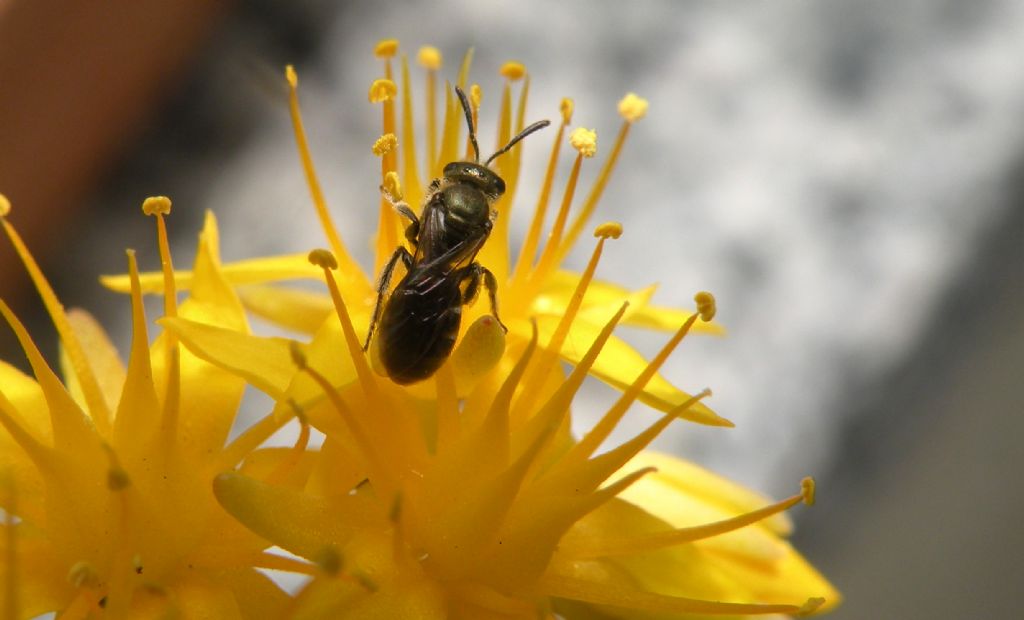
469 122
522 134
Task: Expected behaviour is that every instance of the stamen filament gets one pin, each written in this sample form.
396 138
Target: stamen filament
40 454
540 371
312 182
94 400
679 536
596 436
294 456
355 350
450 132
554 411
411 177
549 259
529 248
250 439
590 203
70 427
430 58
159 206
382 472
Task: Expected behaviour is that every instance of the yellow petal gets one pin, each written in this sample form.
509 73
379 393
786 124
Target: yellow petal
684 494
27 398
264 362
101 355
209 395
297 522
251 271
299 310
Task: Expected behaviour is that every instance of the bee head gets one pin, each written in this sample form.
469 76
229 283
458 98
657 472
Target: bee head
477 175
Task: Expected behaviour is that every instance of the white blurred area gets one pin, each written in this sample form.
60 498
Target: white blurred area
831 171
827 171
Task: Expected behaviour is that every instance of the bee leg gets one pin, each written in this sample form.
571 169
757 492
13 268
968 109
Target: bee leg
472 277
492 292
401 254
412 231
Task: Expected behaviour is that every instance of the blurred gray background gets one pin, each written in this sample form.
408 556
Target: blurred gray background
846 177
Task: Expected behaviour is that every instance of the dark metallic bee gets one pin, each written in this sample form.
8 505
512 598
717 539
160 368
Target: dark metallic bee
418 323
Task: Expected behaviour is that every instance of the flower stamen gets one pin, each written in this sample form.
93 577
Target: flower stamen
632 108
411 172
529 249
70 427
430 59
539 373
160 206
679 536
94 400
549 258
312 182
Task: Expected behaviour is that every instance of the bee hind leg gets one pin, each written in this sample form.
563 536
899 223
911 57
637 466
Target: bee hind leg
473 275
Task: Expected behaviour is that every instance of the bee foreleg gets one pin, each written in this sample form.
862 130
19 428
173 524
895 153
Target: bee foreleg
412 231
473 274
401 254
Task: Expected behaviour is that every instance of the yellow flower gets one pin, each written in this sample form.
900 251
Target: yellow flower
466 496
105 478
534 289
489 509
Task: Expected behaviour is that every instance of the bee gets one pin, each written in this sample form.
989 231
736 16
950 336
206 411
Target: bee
417 324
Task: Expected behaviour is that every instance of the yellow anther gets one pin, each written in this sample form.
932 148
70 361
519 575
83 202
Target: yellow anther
118 479
156 205
632 107
330 560
584 140
5 206
608 229
566 108
83 575
385 48
298 355
291 76
429 57
475 95
513 70
807 490
323 259
382 90
392 187
811 606
705 305
385 144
